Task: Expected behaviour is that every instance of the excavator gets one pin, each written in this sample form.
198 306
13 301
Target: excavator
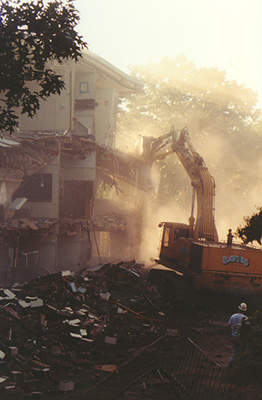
192 259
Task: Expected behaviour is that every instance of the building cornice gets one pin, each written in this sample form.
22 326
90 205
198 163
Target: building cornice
127 82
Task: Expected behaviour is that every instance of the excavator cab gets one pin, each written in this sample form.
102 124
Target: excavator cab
174 258
172 232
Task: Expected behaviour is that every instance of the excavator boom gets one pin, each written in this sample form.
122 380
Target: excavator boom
178 141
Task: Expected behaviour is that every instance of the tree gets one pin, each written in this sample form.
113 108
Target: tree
224 122
31 35
253 228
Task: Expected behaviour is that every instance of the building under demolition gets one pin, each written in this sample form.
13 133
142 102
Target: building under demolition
50 171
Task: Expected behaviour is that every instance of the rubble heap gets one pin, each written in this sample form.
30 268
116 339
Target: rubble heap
60 325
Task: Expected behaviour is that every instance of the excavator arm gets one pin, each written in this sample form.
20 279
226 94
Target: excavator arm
203 184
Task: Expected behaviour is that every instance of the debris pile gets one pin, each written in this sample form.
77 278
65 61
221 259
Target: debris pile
62 324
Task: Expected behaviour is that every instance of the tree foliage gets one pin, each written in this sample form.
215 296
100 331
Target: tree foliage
31 34
176 92
223 118
253 228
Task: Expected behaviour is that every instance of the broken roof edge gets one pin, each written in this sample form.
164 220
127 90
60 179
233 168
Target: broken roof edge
128 82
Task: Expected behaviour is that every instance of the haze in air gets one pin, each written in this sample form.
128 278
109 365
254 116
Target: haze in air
222 34
220 45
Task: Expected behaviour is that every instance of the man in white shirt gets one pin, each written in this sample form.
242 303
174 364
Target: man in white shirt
235 321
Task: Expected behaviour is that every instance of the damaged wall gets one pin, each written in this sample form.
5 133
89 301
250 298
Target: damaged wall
62 250
124 243
76 186
63 233
76 200
59 170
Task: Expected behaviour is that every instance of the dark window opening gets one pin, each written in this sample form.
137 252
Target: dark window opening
85 104
181 232
76 199
166 237
37 187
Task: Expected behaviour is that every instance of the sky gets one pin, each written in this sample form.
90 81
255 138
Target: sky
222 34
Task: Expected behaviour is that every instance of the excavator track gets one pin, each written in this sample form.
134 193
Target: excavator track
174 288
178 290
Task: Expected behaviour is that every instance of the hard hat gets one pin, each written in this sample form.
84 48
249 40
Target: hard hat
242 307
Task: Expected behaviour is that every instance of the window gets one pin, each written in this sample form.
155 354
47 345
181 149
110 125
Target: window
84 87
181 233
166 237
37 187
176 234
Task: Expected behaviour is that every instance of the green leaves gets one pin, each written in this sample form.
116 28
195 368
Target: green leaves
31 35
253 228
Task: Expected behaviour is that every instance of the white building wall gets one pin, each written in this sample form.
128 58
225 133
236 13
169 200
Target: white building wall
106 116
81 170
84 114
56 113
85 84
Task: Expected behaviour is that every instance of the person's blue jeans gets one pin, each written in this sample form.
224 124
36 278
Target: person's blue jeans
235 341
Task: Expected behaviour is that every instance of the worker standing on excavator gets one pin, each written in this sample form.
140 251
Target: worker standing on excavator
229 238
235 321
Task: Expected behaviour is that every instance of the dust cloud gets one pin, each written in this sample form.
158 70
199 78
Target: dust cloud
238 191
143 212
220 133
151 233
230 205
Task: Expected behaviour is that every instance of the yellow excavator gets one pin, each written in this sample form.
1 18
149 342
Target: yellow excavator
191 258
